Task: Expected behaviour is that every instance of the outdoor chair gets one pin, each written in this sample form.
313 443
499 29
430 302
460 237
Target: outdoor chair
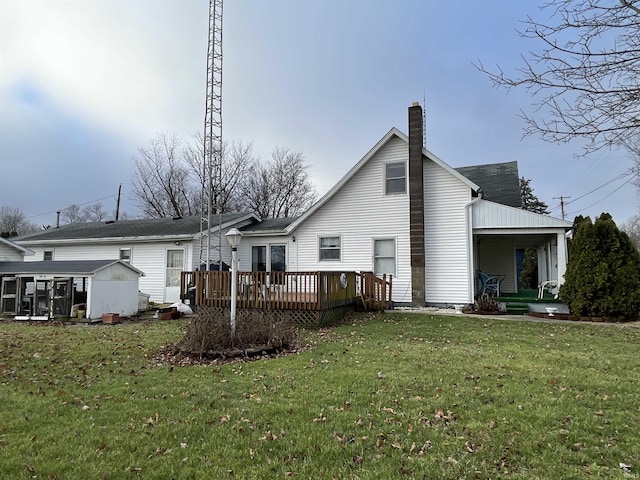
489 285
551 286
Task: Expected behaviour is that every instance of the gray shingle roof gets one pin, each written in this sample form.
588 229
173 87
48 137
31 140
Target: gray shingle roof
499 181
269 225
142 227
64 267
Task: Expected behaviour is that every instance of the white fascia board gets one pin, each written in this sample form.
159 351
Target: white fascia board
130 267
238 223
519 230
83 241
20 248
441 163
394 132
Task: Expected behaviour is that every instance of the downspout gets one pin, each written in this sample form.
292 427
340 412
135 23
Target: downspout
469 224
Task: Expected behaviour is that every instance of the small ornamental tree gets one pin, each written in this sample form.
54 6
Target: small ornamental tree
529 273
603 273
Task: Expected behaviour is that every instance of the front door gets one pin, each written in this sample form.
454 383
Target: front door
175 266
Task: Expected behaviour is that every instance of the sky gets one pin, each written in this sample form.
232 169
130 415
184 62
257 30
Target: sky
85 83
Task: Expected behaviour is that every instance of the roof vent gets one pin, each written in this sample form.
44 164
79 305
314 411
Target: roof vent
109 221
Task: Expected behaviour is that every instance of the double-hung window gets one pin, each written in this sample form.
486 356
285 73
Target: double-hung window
384 256
48 255
329 248
395 177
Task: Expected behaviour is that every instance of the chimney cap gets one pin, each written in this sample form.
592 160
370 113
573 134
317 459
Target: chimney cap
415 104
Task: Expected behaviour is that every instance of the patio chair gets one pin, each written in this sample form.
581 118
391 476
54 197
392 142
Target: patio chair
489 285
551 286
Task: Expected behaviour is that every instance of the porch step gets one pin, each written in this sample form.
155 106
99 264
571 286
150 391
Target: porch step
517 308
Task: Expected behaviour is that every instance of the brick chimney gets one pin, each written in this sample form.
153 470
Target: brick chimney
416 205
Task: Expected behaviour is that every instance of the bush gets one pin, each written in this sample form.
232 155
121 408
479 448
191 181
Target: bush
210 331
603 273
486 303
529 273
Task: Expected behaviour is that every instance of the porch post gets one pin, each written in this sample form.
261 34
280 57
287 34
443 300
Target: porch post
562 257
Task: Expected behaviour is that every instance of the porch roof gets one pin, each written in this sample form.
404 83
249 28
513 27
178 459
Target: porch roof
491 215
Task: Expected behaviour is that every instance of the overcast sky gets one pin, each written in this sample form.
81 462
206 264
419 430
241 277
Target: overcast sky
84 83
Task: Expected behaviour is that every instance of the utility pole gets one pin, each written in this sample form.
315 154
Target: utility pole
561 198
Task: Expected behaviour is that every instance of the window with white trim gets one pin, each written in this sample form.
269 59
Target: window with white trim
395 177
384 256
329 248
47 256
125 255
268 258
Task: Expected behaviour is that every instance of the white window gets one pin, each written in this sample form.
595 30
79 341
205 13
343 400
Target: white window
384 256
395 175
125 255
175 264
329 248
48 255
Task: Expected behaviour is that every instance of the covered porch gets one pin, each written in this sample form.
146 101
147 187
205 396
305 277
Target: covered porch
502 234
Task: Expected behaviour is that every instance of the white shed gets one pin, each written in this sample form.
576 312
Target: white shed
49 289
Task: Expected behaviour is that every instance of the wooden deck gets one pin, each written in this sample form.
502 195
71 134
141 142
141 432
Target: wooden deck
309 291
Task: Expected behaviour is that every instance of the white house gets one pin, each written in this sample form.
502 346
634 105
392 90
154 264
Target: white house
403 211
400 211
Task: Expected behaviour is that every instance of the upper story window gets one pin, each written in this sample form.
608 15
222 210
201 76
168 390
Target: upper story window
395 177
48 255
125 255
329 248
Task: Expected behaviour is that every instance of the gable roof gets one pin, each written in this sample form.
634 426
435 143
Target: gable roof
391 134
268 226
142 227
23 250
500 182
62 268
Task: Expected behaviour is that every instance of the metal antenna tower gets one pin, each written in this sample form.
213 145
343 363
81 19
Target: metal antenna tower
212 161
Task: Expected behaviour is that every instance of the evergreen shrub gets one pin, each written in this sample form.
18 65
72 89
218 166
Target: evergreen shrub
603 273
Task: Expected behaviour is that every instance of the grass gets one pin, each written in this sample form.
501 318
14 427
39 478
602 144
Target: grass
391 396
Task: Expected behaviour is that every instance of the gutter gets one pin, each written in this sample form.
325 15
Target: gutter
469 224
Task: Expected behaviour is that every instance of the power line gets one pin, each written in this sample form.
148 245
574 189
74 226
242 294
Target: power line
66 208
606 196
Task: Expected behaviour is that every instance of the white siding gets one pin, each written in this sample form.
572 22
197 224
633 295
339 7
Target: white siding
446 240
9 254
150 258
360 213
488 214
113 290
497 256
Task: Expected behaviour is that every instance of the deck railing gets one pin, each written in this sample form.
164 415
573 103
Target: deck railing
286 290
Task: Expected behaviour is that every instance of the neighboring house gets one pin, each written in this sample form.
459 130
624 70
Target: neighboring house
10 251
400 211
161 248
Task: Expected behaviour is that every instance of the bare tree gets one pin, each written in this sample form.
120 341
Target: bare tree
279 188
585 77
632 228
162 185
13 222
75 214
237 160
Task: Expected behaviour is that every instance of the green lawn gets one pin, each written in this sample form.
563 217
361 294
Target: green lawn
391 396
